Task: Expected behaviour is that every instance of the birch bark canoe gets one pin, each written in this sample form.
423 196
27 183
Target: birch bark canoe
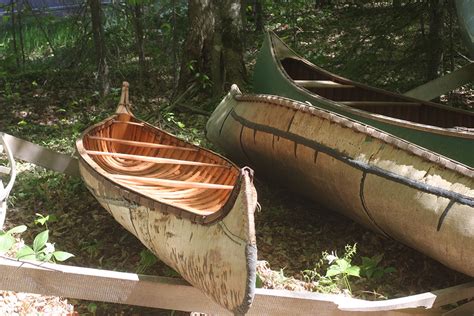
9 170
443 129
388 184
193 208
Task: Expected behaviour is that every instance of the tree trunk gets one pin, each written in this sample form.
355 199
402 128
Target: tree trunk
99 43
258 13
232 42
198 44
435 38
15 46
214 45
139 35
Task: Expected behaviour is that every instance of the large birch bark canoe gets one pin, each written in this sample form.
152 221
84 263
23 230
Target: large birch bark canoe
193 208
443 129
388 184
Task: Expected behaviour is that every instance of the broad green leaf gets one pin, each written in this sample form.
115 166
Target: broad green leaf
353 270
26 253
6 243
17 230
333 270
62 255
40 240
343 264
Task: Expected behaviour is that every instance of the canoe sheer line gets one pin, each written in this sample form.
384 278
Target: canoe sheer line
364 167
322 84
140 144
171 183
156 160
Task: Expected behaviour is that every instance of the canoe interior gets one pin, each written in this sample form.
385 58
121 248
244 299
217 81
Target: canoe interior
373 100
160 166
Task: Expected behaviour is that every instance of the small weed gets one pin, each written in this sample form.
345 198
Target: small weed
371 270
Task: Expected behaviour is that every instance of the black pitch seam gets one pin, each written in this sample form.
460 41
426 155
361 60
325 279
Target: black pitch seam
364 167
364 206
445 212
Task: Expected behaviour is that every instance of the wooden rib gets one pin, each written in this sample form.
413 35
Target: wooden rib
141 144
173 183
321 84
155 159
378 103
128 122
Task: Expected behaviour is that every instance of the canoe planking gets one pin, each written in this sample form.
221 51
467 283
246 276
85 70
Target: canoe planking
191 207
392 186
443 129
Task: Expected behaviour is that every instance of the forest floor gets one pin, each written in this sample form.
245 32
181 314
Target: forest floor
292 232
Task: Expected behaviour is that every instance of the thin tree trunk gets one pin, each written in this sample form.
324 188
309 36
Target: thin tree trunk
99 43
258 9
174 43
435 38
15 46
20 33
139 34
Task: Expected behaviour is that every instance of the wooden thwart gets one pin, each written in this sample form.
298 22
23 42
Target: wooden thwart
141 144
173 183
128 122
155 159
321 84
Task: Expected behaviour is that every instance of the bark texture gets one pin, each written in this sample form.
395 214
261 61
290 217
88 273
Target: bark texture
214 45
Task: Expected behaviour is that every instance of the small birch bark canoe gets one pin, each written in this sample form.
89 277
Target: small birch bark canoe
193 208
388 184
446 130
9 170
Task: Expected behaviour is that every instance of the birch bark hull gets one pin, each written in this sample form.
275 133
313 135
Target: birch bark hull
213 249
392 186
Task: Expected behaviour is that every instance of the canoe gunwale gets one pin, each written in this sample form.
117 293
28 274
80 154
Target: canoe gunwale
134 197
460 133
362 128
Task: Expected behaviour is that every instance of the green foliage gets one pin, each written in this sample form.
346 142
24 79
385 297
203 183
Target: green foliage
371 270
147 260
41 250
7 240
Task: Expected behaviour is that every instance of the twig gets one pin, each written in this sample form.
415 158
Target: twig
178 99
39 265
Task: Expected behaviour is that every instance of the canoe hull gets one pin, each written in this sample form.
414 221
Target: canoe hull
211 257
449 142
387 184
191 207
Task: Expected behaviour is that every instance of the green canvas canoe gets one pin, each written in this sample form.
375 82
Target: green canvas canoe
445 130
465 10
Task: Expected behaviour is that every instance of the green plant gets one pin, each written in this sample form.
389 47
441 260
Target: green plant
343 269
41 250
147 259
338 270
43 220
7 240
371 270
